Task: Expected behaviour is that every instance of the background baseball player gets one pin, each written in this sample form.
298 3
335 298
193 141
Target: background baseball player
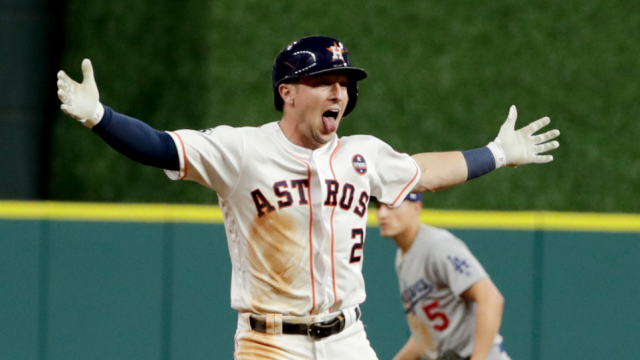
294 196
453 308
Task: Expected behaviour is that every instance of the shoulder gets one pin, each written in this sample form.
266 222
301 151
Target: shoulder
209 132
361 140
268 128
237 130
231 133
370 146
438 240
223 138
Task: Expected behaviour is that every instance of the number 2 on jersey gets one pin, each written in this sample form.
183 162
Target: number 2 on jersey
357 246
433 315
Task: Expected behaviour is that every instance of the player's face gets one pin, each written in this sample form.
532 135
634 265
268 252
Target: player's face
394 222
319 105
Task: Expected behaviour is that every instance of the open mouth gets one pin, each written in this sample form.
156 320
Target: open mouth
331 114
329 118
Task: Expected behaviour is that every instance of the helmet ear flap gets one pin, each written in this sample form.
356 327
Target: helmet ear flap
352 90
277 99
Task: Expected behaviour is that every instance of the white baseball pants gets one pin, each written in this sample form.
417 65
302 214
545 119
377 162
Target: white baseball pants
350 344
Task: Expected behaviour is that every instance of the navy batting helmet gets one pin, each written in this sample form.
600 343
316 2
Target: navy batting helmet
311 56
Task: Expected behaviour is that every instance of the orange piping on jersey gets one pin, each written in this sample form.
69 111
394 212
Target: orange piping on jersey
405 188
333 265
313 282
184 154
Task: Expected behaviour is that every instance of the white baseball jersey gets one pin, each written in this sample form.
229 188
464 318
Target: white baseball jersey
295 218
432 275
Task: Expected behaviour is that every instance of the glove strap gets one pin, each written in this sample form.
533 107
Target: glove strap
498 153
95 119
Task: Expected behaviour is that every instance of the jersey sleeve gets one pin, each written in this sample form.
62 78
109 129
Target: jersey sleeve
211 157
453 264
396 174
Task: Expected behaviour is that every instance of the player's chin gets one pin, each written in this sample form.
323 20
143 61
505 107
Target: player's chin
322 137
386 232
326 137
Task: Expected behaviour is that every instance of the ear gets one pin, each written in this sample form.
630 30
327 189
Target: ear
288 93
417 207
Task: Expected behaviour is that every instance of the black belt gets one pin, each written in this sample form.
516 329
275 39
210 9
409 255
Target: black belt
315 331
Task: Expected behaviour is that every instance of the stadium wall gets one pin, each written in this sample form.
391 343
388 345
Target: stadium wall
105 281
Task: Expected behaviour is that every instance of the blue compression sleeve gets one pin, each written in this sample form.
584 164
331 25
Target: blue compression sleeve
137 140
479 162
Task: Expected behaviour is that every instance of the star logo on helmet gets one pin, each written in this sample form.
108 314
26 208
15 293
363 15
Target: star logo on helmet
337 51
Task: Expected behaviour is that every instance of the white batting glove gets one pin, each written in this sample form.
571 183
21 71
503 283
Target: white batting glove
518 147
81 101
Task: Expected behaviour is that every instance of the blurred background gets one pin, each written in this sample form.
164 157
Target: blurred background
442 76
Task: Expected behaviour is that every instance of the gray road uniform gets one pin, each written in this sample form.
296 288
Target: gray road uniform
432 275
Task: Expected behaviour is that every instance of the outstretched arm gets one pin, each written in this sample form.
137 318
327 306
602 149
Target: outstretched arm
488 315
440 170
132 138
511 148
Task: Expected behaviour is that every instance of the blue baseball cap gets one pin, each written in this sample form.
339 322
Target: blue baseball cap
414 197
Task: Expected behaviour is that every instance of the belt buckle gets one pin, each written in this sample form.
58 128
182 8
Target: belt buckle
320 330
314 332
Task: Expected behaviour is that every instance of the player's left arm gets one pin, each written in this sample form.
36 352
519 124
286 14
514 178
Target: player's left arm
512 148
488 315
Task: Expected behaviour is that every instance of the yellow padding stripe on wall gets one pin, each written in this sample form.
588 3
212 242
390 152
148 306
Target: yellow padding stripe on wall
110 212
452 219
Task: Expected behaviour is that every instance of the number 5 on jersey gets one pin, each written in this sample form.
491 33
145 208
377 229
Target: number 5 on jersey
432 314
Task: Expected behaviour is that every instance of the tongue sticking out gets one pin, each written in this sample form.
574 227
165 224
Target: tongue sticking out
329 124
329 121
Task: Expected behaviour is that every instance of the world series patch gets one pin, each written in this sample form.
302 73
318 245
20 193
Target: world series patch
359 164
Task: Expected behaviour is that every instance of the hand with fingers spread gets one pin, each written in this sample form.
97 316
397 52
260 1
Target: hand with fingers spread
518 147
81 101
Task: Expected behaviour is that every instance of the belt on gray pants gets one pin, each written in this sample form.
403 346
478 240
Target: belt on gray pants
315 330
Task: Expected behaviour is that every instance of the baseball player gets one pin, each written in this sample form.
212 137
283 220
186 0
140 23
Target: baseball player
294 195
453 308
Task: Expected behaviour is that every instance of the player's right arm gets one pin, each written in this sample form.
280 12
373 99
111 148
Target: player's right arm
133 138
511 148
213 158
408 352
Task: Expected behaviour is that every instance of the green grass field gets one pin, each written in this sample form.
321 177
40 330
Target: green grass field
442 76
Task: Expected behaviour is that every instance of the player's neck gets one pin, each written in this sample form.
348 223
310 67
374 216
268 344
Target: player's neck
292 133
405 239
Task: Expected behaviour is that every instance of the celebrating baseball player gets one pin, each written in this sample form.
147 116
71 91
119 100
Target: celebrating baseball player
453 309
294 195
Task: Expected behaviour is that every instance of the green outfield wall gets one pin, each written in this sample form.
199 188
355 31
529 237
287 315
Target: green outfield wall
442 75
105 281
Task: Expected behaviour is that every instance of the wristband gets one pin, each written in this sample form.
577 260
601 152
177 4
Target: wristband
479 162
